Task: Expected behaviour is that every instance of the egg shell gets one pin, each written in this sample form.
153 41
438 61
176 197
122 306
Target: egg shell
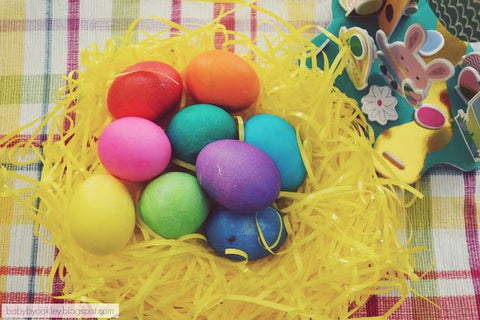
101 215
223 79
238 175
226 229
134 149
174 205
277 138
194 127
147 89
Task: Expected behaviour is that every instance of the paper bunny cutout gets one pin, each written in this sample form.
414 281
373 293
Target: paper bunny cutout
425 133
405 69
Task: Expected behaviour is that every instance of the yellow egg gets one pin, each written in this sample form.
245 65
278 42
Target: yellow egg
101 215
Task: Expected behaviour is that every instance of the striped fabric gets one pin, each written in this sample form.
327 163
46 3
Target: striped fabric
40 41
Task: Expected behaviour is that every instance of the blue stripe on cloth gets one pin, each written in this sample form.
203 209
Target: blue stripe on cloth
23 168
45 103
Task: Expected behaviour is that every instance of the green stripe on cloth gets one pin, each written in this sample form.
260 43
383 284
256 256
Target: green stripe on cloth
124 12
12 47
11 89
420 216
27 89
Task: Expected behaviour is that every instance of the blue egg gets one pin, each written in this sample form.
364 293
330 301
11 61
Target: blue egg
277 138
226 229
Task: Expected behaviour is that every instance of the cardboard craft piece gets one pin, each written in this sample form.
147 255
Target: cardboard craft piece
468 123
426 133
369 7
434 43
360 56
379 105
468 83
429 117
361 7
411 77
472 60
411 8
390 15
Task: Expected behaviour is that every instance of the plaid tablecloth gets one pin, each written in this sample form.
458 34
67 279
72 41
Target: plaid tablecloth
40 41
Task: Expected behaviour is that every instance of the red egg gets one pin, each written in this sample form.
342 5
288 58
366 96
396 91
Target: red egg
147 89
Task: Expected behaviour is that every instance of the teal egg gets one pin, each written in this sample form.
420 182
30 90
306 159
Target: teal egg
194 127
277 138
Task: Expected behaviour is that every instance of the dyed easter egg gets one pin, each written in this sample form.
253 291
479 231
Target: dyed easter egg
147 89
238 175
226 229
101 215
224 79
194 127
134 149
174 205
277 138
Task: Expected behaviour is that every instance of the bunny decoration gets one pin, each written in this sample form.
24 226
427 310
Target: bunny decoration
405 70
416 93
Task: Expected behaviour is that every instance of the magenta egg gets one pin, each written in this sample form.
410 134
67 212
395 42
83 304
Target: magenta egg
134 149
238 175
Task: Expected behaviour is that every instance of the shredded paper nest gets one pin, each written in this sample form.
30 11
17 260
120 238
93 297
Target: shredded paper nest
346 226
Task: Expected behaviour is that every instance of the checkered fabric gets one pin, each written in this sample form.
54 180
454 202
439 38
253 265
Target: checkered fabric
40 41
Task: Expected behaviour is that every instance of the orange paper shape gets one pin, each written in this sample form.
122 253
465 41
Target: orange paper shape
390 15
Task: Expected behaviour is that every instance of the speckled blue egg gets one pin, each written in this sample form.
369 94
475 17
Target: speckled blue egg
226 229
195 126
277 138
238 175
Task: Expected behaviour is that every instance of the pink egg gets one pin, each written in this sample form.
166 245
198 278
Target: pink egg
134 149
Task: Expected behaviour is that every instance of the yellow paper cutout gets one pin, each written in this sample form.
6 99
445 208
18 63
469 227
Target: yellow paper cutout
406 147
358 68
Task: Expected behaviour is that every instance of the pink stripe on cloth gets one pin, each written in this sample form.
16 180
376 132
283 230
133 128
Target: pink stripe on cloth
23 270
176 14
73 27
253 23
471 230
228 21
23 297
448 275
57 287
72 64
372 306
19 138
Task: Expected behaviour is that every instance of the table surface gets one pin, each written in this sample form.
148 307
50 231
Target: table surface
40 41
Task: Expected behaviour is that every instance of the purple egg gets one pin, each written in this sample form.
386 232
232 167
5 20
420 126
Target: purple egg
238 175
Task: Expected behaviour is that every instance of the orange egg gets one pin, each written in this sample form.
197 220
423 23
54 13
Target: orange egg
224 79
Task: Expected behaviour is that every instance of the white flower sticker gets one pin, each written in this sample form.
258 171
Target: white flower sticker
379 105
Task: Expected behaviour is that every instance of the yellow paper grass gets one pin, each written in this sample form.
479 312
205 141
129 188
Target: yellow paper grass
345 224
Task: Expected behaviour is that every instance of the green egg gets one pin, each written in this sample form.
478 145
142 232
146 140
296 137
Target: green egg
194 127
174 205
